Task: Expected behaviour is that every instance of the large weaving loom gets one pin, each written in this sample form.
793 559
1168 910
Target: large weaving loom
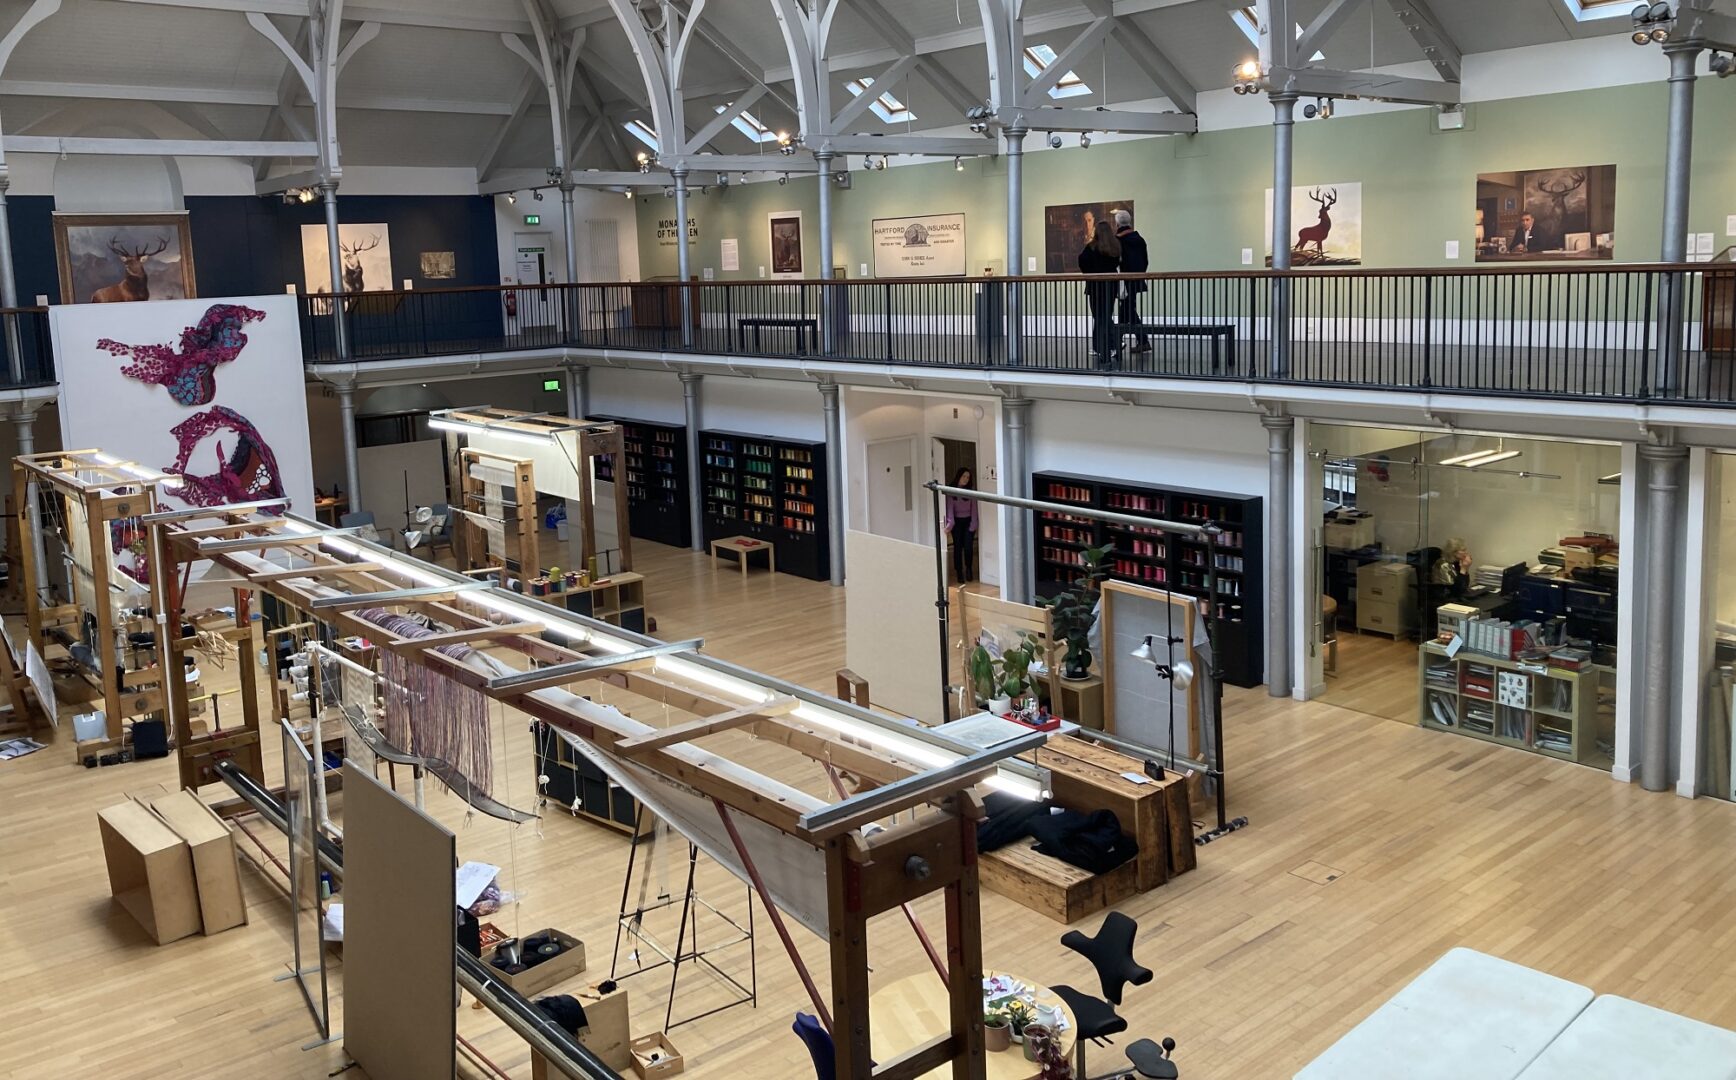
810 856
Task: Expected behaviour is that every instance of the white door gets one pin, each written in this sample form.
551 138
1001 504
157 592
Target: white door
892 489
534 266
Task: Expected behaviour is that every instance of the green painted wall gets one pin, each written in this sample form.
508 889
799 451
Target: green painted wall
1200 200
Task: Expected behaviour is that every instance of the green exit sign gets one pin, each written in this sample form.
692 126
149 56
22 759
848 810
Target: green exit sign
533 219
552 385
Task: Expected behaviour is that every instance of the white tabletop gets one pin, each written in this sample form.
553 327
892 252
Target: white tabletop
1618 1039
1469 1015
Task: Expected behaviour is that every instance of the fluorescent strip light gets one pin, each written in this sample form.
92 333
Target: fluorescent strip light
149 475
1490 458
464 427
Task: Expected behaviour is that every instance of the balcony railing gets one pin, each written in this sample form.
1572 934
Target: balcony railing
27 347
1549 331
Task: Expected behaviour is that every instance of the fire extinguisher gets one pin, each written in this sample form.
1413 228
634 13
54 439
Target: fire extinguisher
510 299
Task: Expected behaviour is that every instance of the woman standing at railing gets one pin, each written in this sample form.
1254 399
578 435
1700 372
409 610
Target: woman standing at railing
1102 255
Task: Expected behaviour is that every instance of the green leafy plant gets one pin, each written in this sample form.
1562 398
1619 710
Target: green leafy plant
996 1017
1013 670
1073 611
1019 1014
980 668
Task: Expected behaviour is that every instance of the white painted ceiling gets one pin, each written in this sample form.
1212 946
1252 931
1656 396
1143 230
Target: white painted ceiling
437 84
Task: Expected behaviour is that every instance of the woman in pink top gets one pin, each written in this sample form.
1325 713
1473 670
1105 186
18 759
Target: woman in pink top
961 528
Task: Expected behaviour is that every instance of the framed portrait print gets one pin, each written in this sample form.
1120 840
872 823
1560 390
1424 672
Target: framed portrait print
785 227
120 258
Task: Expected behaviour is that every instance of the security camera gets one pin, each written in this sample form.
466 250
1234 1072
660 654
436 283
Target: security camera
1722 66
1054 141
1310 111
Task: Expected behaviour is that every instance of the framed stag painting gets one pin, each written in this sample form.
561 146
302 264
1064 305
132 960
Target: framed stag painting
1325 225
1546 214
119 258
365 252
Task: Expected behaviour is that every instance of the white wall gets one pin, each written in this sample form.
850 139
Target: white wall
654 396
786 410
872 416
1192 448
588 205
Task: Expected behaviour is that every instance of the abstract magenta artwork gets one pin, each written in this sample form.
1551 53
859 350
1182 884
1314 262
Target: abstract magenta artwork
246 472
190 374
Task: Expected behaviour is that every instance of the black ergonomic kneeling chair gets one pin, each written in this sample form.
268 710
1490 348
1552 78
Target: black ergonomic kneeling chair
1111 953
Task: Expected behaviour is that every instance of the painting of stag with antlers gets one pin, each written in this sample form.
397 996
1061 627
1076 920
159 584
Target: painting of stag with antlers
124 258
1551 214
364 252
1325 224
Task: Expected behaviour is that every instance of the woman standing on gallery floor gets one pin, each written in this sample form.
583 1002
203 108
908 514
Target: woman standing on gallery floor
1102 255
961 528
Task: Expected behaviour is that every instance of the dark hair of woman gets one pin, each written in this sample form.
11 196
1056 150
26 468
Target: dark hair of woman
1105 242
964 477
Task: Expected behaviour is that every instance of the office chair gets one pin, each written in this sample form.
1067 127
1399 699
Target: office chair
364 521
1111 953
819 1043
1151 1060
439 533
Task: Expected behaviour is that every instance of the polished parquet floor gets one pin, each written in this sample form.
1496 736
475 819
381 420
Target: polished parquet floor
1373 847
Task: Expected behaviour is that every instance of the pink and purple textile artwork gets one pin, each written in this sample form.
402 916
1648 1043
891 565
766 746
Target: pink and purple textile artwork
190 375
246 473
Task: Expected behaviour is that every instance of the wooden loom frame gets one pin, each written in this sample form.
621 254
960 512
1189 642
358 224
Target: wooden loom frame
595 439
934 851
84 478
470 546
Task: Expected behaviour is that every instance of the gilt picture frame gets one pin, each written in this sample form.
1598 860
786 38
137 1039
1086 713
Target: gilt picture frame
127 257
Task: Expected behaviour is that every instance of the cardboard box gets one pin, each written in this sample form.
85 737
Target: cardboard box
1576 558
607 1035
534 980
654 1057
1349 533
215 873
150 871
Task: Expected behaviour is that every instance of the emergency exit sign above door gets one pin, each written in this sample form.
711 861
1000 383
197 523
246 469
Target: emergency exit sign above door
533 219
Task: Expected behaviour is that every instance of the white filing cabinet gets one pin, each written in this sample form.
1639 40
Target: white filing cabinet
1385 601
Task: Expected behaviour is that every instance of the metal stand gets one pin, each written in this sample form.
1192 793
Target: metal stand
631 923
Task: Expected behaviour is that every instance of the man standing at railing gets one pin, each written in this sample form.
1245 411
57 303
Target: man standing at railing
1135 259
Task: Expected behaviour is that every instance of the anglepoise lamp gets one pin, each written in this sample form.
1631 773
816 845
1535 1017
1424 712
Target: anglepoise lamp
1180 672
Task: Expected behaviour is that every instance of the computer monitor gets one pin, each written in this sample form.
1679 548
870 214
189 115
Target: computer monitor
1511 577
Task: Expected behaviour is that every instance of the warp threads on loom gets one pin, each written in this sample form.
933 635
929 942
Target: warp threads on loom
430 714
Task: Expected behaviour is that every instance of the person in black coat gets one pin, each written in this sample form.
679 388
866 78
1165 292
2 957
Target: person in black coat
1102 255
1135 259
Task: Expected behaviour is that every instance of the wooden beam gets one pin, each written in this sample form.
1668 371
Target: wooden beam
474 633
707 725
322 570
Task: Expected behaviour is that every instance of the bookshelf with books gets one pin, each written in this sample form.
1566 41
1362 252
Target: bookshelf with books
1151 557
654 480
1531 705
772 490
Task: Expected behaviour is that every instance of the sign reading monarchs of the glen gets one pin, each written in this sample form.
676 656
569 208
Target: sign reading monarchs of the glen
929 246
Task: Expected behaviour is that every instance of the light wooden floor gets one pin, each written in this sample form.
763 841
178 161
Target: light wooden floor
1430 841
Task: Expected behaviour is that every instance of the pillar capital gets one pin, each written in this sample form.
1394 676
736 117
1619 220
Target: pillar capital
1278 422
690 378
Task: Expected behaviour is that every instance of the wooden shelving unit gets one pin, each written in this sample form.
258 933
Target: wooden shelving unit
768 489
1546 710
618 599
579 786
653 479
1157 559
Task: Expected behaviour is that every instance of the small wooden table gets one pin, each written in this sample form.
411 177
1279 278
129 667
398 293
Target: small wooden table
329 507
743 546
907 1013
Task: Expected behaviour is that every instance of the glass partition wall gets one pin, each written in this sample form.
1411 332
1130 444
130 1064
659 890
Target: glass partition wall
1468 583
1717 749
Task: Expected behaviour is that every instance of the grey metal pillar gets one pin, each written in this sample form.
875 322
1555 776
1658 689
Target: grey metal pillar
346 390
1280 436
25 418
340 332
571 225
9 288
823 158
1016 481
1283 129
683 258
578 390
834 478
1015 137
1678 169
1663 467
695 472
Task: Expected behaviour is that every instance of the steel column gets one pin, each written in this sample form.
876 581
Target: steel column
1015 139
328 191
578 390
9 289
1280 436
683 261
25 418
1678 169
352 463
695 474
1283 129
1015 481
834 478
1663 609
824 159
570 308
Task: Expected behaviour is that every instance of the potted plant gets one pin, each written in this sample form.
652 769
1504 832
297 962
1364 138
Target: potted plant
980 668
1043 1047
997 1031
1073 611
1019 1016
1014 671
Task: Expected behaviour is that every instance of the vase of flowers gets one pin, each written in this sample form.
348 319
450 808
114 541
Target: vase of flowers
1019 1016
997 1031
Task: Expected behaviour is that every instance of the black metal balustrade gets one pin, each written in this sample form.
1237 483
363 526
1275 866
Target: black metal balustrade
28 348
1564 332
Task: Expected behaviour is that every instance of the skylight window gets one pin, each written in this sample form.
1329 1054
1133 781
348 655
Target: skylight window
1588 10
749 124
886 107
639 130
1249 23
1037 60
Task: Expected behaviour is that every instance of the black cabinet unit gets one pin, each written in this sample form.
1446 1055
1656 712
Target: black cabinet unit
1161 560
653 479
768 489
579 786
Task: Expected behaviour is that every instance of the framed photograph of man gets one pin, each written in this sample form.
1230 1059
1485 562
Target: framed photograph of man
785 227
1546 214
1067 229
117 258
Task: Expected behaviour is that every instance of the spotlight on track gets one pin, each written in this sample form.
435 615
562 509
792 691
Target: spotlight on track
1054 141
512 198
958 164
1722 65
1653 23
1084 140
